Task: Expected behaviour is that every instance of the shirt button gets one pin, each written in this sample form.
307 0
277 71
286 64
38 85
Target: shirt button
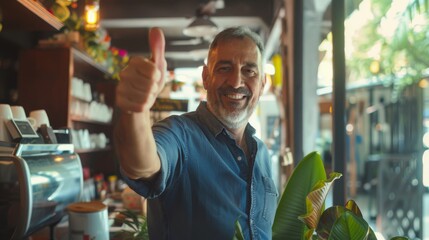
239 158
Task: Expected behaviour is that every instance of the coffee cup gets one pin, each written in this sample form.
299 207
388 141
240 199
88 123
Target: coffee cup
5 111
5 116
88 220
18 112
41 117
32 122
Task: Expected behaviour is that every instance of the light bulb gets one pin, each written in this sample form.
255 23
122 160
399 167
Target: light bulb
92 16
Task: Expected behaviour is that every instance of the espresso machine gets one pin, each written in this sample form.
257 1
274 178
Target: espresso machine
37 182
40 173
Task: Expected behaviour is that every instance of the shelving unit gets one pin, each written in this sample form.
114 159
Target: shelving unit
28 15
44 76
45 81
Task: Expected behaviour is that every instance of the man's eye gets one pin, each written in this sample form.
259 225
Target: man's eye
249 72
223 69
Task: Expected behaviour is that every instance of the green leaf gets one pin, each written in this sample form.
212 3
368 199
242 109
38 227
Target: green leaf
349 226
238 231
371 235
330 216
327 220
315 200
136 222
308 233
418 5
307 173
399 238
352 206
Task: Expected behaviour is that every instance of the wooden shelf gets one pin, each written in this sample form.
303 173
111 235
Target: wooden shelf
87 65
75 98
28 15
80 55
86 120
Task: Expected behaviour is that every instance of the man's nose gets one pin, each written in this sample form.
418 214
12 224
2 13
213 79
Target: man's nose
235 79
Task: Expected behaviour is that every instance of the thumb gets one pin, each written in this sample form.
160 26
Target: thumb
157 47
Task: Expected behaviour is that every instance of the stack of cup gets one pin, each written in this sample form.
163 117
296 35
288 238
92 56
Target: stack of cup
18 112
40 117
5 116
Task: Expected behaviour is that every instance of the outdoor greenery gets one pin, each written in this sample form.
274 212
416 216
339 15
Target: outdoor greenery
392 45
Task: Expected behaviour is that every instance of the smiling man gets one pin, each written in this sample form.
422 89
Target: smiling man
203 170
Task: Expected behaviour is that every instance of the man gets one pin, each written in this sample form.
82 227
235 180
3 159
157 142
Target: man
203 170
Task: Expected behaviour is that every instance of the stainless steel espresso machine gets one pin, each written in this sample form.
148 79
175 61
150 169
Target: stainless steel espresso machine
37 182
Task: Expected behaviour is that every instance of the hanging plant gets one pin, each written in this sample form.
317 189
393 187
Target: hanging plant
95 43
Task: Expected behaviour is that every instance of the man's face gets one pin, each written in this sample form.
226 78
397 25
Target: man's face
233 80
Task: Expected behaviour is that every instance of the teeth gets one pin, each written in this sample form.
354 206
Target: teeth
235 96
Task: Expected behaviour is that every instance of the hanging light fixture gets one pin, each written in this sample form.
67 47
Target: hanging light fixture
92 15
200 27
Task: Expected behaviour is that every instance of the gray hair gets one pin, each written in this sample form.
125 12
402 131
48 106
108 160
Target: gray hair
237 33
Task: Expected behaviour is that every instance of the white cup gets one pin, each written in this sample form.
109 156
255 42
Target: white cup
5 111
5 115
41 117
102 140
87 92
32 122
88 220
18 112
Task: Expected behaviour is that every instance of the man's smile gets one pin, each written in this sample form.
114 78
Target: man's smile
235 96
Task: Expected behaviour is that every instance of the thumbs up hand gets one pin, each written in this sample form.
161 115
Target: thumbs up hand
143 79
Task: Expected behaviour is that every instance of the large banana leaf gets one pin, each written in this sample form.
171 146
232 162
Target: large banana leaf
331 215
315 201
349 226
327 220
308 172
352 206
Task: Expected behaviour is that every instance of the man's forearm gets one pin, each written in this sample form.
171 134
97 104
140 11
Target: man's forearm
136 146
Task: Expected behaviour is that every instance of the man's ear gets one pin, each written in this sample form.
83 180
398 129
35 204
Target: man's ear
205 76
264 80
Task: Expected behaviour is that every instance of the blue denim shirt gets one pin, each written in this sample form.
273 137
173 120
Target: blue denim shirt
206 183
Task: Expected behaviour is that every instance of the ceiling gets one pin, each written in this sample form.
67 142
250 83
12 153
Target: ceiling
128 22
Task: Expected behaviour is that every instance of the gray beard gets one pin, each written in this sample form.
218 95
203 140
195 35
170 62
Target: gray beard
230 120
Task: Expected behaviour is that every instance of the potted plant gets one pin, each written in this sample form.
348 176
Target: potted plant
301 212
134 224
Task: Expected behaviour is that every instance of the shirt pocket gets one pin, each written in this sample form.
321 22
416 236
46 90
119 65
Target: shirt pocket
270 201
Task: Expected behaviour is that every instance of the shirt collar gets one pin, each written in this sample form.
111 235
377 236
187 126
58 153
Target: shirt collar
213 124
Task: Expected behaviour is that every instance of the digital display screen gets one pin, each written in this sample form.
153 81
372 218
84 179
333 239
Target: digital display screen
24 127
